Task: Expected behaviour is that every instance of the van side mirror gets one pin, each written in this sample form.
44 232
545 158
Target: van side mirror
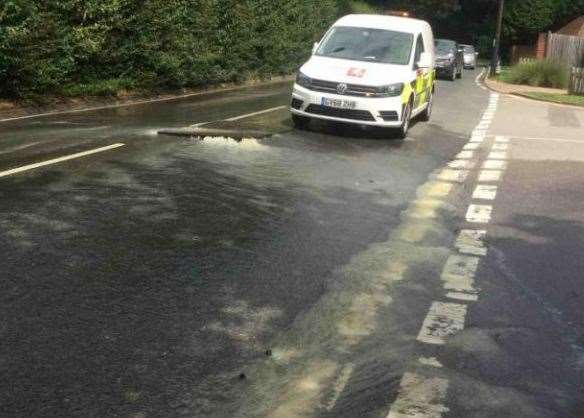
315 48
425 60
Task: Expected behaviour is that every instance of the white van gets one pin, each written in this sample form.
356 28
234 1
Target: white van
369 70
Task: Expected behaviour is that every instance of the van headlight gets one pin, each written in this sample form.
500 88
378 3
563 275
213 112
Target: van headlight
391 90
303 80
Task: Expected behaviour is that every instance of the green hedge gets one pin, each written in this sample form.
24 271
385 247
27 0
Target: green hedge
100 46
538 73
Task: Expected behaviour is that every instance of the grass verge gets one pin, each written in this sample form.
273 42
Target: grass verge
556 98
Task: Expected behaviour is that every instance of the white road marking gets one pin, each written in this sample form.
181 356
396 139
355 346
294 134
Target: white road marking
569 141
476 137
490 176
465 155
457 176
58 160
443 320
459 273
261 112
465 164
485 192
495 165
472 242
501 139
340 385
420 397
437 189
498 155
472 146
465 297
500 147
478 77
430 361
480 214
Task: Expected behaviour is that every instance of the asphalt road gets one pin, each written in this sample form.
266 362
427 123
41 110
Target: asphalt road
286 276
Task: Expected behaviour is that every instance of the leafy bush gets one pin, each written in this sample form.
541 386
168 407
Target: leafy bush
539 73
97 47
99 88
361 7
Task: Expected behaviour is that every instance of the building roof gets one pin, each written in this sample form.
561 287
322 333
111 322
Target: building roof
574 28
404 24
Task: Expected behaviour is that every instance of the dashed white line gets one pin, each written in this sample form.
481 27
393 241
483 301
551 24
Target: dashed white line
465 155
479 214
464 297
472 242
430 361
457 176
485 192
261 112
443 320
58 160
459 273
495 165
498 155
420 397
477 137
501 139
500 147
471 146
464 164
490 176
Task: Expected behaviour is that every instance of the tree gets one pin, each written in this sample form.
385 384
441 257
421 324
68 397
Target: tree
524 19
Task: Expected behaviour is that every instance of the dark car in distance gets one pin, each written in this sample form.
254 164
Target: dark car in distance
449 59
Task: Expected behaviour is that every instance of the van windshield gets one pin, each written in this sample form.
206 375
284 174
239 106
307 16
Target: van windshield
363 44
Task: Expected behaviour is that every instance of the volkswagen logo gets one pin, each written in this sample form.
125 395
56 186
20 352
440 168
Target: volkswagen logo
341 88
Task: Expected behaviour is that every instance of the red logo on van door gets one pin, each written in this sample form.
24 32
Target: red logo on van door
356 72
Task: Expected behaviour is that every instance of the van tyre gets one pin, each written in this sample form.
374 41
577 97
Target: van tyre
427 113
300 122
407 118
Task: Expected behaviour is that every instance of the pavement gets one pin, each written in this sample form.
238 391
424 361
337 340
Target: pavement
334 272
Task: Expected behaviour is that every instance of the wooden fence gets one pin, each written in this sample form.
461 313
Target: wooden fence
568 50
576 81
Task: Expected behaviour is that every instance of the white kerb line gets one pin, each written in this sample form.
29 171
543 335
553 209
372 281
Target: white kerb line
261 112
58 160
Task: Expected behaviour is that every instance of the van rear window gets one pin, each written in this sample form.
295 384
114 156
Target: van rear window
364 44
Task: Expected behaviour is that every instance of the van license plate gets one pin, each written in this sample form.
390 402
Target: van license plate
338 103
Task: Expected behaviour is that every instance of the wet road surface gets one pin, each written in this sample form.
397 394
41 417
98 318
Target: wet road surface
285 276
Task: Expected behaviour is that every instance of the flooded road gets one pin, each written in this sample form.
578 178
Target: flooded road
187 277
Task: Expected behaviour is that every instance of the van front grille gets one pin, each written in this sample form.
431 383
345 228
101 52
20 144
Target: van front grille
352 114
352 89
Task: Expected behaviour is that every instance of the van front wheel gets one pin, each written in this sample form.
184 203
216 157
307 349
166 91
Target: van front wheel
407 117
427 113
